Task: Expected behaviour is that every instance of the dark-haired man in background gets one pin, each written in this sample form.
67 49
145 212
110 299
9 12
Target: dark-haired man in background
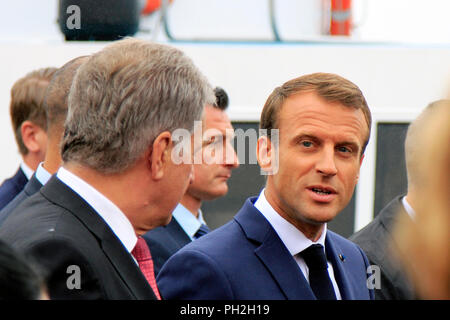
210 182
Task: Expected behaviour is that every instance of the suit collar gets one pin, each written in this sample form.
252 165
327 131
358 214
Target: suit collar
32 186
391 213
19 179
186 220
177 233
273 253
60 194
294 240
26 170
104 207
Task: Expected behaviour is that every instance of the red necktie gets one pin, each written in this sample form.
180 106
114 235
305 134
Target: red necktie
142 254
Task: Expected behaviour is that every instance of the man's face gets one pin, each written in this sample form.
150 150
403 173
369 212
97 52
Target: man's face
218 157
319 159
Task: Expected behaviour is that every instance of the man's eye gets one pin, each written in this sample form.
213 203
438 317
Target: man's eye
306 144
344 149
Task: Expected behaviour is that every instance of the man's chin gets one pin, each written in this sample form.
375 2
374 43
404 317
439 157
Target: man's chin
212 195
320 215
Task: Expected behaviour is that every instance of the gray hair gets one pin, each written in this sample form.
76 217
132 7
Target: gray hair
124 96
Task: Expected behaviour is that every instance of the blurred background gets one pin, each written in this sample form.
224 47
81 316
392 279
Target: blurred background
396 51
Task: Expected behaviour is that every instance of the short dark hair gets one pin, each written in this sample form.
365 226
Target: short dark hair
19 279
221 98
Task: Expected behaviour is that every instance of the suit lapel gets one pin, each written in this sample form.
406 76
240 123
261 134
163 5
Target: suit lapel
273 253
392 213
19 179
179 237
340 273
59 193
32 186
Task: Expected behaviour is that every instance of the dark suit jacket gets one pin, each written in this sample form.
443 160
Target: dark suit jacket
32 186
165 241
62 232
245 259
11 187
375 239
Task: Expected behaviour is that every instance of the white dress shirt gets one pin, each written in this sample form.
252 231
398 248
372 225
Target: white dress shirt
110 213
188 222
27 171
294 240
408 208
42 175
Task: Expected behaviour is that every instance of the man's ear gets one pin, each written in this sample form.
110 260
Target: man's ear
33 136
159 155
264 154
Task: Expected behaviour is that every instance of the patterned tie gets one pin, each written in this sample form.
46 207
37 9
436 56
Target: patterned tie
142 254
319 279
201 231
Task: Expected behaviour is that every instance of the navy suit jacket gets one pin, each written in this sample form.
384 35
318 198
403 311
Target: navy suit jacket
11 187
165 241
32 186
246 260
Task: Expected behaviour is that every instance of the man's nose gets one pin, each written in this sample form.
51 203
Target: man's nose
326 164
231 158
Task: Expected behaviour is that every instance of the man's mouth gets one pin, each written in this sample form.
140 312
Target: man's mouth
323 194
320 191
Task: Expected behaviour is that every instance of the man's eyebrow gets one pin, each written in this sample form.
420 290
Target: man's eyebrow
354 145
348 143
313 138
303 136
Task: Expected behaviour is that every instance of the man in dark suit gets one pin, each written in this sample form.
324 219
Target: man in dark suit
55 106
376 238
118 178
278 245
12 186
210 182
29 125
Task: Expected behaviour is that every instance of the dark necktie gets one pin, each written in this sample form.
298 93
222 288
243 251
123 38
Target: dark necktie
141 253
201 231
319 279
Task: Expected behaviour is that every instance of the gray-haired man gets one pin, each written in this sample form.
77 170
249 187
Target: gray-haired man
118 179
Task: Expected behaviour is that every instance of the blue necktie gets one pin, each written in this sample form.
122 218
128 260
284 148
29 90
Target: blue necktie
319 279
201 231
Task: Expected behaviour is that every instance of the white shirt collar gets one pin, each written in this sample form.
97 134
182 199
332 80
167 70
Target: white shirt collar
28 172
188 222
110 213
294 240
42 174
408 208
